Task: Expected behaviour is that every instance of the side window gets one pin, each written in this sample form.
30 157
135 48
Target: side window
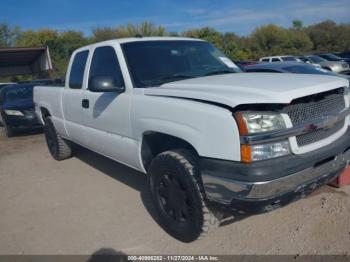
105 63
265 60
77 70
275 60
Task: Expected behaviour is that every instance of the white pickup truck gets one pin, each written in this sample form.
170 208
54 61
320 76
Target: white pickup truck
211 138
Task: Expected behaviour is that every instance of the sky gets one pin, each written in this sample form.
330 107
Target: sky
238 16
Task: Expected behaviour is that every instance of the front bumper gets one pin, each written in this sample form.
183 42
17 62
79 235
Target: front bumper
27 121
263 184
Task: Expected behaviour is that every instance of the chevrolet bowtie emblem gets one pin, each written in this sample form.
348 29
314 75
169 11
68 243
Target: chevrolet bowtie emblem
330 121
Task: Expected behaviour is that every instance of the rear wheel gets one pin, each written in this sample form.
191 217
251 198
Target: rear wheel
178 196
59 148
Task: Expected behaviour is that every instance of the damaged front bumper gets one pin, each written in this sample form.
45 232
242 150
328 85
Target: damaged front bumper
265 185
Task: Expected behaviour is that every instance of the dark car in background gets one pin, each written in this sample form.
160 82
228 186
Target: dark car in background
291 67
5 84
17 108
241 64
344 55
48 81
335 58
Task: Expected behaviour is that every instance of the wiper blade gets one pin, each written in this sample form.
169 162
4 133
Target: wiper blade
171 78
219 72
175 77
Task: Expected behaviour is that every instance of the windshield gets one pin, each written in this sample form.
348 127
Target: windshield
288 58
18 93
316 59
153 63
307 70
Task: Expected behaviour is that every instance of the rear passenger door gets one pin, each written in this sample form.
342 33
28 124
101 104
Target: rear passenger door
72 96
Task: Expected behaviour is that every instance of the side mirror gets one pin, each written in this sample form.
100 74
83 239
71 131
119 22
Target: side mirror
104 84
308 62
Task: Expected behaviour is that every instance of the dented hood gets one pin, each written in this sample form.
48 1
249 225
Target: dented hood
248 88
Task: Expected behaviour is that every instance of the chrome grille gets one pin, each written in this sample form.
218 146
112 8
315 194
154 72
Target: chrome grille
314 107
318 135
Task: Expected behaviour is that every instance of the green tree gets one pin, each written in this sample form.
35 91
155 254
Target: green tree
297 24
8 35
208 34
328 36
130 30
103 34
270 40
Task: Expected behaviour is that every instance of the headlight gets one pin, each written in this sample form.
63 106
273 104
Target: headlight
258 122
13 113
251 153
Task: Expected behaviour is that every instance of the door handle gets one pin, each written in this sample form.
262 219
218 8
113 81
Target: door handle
85 103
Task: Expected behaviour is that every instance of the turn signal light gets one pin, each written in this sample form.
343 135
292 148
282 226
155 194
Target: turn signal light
246 153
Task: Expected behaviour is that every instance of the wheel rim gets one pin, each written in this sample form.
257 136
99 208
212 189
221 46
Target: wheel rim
173 198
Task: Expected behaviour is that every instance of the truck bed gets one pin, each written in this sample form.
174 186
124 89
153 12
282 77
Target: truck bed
50 97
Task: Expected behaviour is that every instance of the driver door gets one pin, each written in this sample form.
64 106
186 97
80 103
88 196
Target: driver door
106 114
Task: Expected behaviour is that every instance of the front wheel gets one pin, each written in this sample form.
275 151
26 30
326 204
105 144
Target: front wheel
178 196
59 148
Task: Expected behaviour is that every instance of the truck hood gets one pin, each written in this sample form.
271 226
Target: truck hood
253 88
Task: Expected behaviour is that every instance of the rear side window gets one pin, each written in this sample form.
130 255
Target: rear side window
105 63
275 60
77 71
265 60
289 58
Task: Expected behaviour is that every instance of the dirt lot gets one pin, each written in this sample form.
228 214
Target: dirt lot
88 203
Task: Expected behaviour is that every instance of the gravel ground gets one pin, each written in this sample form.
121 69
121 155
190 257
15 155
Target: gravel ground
89 203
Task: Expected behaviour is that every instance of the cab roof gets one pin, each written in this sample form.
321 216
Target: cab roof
141 39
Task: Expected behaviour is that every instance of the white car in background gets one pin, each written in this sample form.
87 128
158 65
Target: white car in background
285 58
334 66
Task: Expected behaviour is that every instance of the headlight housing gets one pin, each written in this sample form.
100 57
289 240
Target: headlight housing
250 153
13 113
251 122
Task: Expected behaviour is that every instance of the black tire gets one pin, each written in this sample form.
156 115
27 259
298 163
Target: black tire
178 196
59 148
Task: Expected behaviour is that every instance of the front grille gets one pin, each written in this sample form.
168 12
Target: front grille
318 135
308 109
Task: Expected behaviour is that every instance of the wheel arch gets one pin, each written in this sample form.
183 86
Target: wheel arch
44 112
156 142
